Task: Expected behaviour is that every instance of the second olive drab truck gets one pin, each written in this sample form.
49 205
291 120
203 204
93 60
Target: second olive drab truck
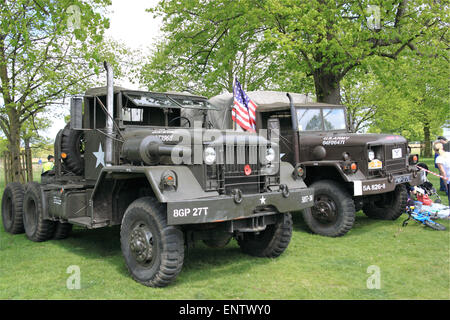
348 171
131 158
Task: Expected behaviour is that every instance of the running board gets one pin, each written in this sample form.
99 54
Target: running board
87 222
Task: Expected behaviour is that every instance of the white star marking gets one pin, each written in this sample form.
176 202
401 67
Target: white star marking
263 200
100 155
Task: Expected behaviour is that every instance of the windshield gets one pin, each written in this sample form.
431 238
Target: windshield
334 119
315 119
194 103
309 120
149 100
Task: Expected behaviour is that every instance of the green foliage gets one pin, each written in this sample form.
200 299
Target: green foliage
412 99
278 43
210 43
48 49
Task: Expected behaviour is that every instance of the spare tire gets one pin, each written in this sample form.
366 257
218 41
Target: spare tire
72 144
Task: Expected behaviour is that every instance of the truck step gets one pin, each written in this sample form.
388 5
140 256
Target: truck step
88 222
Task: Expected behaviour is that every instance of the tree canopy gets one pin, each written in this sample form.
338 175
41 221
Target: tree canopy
48 49
273 43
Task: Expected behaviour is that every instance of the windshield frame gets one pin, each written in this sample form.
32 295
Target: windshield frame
321 108
171 98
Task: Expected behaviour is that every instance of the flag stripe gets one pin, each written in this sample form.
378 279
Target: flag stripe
244 110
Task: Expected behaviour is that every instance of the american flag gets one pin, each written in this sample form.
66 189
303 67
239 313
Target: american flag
244 109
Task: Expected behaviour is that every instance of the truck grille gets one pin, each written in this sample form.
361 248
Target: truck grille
229 172
236 158
395 165
390 165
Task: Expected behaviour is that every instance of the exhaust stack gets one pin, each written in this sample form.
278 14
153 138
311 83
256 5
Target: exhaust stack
295 141
109 118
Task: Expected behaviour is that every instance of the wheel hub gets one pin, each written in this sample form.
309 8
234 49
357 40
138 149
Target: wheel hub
141 244
324 210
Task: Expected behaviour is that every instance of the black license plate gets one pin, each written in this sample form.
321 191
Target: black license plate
402 179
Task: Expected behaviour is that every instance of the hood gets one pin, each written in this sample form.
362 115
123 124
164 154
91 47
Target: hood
353 139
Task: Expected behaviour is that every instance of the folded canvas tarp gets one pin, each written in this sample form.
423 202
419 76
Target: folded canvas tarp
222 119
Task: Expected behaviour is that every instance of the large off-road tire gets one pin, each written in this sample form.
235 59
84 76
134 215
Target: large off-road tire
72 144
391 206
62 230
12 204
36 227
333 213
153 250
270 242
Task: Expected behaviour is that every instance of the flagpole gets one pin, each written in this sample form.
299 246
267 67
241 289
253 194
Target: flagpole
234 83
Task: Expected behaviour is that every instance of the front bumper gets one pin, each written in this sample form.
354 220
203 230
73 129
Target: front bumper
382 185
225 208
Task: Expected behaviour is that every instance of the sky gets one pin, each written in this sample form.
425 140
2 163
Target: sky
133 26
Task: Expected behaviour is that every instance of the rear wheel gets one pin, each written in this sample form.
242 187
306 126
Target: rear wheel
62 230
333 213
270 242
12 208
36 227
153 250
391 205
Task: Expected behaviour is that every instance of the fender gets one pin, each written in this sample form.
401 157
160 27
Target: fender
188 186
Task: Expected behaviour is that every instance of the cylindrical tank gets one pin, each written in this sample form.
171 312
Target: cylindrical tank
150 148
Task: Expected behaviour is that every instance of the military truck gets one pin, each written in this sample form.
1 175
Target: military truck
348 171
138 160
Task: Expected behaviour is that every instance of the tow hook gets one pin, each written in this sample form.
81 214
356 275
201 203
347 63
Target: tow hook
284 190
237 195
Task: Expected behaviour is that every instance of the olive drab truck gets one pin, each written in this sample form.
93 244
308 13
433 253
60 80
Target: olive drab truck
151 163
348 171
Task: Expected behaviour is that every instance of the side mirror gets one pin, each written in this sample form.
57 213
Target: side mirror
76 113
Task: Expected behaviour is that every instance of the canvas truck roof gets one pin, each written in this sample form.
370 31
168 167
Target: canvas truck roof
265 100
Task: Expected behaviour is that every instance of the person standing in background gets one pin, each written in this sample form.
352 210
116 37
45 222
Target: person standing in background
446 147
443 163
49 164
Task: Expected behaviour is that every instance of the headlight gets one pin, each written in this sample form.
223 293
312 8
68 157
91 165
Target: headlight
371 155
270 155
209 155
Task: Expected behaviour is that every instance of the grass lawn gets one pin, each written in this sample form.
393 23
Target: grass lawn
414 263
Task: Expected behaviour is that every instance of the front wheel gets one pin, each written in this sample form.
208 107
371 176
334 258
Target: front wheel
271 242
153 250
333 213
434 225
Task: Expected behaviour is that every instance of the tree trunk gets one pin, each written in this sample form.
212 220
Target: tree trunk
426 134
28 160
14 146
328 89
